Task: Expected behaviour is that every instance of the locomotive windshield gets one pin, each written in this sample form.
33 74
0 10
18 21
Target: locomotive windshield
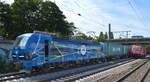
136 49
21 42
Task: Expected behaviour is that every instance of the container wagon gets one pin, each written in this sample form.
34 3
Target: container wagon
116 50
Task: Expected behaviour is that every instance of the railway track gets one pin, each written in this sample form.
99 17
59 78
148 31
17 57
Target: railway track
71 74
147 76
84 73
138 74
11 76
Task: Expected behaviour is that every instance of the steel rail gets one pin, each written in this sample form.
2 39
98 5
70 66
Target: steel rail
73 77
144 76
17 75
131 72
11 76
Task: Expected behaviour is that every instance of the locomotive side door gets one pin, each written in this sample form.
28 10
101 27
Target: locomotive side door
46 50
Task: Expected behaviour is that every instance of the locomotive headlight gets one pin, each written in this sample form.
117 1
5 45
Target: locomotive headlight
13 55
24 56
21 56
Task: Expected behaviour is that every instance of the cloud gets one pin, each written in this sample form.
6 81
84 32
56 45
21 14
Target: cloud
8 1
97 14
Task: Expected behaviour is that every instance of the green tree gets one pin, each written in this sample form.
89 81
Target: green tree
5 19
111 35
106 36
101 37
82 36
29 15
53 19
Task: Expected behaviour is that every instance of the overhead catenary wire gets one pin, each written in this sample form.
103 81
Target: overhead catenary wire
83 7
136 12
90 19
87 19
81 15
142 17
77 4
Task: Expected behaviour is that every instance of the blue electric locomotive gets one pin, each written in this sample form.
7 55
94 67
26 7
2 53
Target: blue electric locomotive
40 49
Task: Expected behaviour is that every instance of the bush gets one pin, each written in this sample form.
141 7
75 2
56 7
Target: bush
6 67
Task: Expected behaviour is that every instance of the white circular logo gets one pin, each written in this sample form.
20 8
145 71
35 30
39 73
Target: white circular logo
83 49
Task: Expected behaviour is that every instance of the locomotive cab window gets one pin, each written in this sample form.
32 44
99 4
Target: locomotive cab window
21 41
136 49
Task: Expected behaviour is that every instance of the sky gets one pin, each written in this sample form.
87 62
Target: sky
95 15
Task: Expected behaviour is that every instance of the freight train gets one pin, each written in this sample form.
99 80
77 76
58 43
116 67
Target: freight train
38 50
